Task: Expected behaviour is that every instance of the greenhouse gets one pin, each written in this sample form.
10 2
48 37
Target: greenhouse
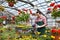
29 19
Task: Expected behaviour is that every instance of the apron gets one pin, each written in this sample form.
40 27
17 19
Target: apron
42 29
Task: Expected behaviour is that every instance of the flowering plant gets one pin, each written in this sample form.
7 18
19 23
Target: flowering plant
11 2
55 11
56 33
1 20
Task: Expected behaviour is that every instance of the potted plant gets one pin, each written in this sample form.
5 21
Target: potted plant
55 13
55 10
56 33
1 20
22 17
11 2
1 8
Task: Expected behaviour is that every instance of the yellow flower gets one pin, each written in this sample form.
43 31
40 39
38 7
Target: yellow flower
46 31
52 36
38 32
45 35
30 36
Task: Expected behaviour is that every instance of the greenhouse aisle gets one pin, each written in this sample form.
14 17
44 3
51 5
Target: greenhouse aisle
29 19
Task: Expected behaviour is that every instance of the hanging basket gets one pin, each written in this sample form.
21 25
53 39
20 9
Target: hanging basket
1 8
11 4
55 14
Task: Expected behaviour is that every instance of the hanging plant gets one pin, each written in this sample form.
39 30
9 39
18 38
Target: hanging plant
58 5
13 17
55 7
14 1
11 2
24 9
49 9
1 8
52 4
30 11
19 11
55 11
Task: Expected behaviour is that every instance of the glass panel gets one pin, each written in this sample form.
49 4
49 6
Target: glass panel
43 3
44 6
5 4
26 5
35 3
40 1
57 0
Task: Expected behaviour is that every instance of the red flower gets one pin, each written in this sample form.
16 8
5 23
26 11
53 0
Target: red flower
52 4
53 31
30 11
19 11
49 9
55 7
13 17
58 5
58 31
4 17
25 10
11 4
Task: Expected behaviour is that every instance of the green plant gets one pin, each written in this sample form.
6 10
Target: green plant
55 13
22 17
11 1
1 20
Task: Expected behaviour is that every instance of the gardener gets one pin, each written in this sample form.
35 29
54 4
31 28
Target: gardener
40 22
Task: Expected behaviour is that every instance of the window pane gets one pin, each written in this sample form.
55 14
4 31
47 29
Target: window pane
40 1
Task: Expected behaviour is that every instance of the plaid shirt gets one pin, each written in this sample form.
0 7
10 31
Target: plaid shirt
41 18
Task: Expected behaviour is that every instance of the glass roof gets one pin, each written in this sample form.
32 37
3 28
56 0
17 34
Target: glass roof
41 4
